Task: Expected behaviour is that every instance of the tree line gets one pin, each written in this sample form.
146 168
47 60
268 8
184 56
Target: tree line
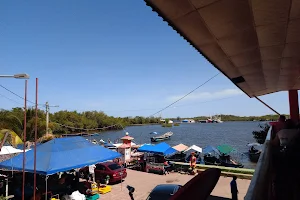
242 118
64 122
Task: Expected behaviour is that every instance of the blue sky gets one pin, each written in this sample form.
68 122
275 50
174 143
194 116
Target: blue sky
114 56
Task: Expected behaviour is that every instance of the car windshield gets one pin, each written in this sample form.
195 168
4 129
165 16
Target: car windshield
159 196
114 166
164 194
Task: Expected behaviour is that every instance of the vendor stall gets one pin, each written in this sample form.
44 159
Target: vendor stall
136 161
155 156
59 155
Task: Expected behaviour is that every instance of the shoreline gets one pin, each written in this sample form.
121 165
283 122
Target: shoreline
143 124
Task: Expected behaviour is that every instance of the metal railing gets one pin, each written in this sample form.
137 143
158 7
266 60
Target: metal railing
260 186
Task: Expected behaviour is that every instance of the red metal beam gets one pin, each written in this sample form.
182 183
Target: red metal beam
294 105
35 136
267 105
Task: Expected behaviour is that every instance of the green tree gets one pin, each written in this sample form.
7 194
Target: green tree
261 135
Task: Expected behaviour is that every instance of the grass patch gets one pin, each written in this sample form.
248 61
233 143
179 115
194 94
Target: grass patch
223 169
167 125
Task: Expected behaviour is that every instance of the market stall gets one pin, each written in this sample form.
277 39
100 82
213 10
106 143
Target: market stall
59 155
155 156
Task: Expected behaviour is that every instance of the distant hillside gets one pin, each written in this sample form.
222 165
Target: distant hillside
238 118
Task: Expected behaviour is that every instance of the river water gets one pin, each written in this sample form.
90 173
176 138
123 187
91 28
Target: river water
235 134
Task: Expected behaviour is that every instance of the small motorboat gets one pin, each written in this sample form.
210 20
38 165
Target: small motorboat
254 152
211 156
210 159
165 136
227 161
225 158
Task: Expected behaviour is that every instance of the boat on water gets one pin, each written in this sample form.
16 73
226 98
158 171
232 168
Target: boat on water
226 159
211 156
254 152
220 156
165 136
213 119
188 121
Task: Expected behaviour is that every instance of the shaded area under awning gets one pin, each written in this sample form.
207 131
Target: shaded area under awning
255 43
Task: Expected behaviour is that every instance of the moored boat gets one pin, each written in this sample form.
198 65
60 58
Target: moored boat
165 136
254 152
211 155
225 158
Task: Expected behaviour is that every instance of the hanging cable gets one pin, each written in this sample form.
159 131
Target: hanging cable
11 99
210 101
186 95
87 129
15 94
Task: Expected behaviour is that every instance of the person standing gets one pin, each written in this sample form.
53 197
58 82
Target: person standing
233 187
92 172
193 160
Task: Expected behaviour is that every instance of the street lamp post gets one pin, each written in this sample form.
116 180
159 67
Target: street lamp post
22 76
18 76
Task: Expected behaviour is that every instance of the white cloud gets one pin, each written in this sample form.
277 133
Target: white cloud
207 95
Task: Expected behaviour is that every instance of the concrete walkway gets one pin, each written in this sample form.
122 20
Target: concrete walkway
145 182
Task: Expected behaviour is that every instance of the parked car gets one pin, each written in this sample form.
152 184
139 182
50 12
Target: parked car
163 192
114 171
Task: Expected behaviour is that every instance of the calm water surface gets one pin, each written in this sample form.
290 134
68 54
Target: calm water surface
236 134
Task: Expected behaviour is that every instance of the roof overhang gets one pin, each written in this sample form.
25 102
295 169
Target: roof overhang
255 43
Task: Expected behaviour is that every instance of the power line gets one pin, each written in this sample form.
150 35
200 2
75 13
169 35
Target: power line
87 129
11 99
15 94
44 105
209 101
185 95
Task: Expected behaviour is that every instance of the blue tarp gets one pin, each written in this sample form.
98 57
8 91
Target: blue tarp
161 148
61 154
210 149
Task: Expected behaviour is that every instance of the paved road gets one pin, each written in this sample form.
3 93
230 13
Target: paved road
145 182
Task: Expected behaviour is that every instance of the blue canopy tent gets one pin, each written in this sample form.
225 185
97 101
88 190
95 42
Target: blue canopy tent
161 148
59 155
210 149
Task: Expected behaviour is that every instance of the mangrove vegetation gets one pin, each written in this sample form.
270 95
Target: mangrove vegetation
64 122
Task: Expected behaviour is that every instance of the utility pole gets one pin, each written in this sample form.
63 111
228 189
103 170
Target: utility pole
47 116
